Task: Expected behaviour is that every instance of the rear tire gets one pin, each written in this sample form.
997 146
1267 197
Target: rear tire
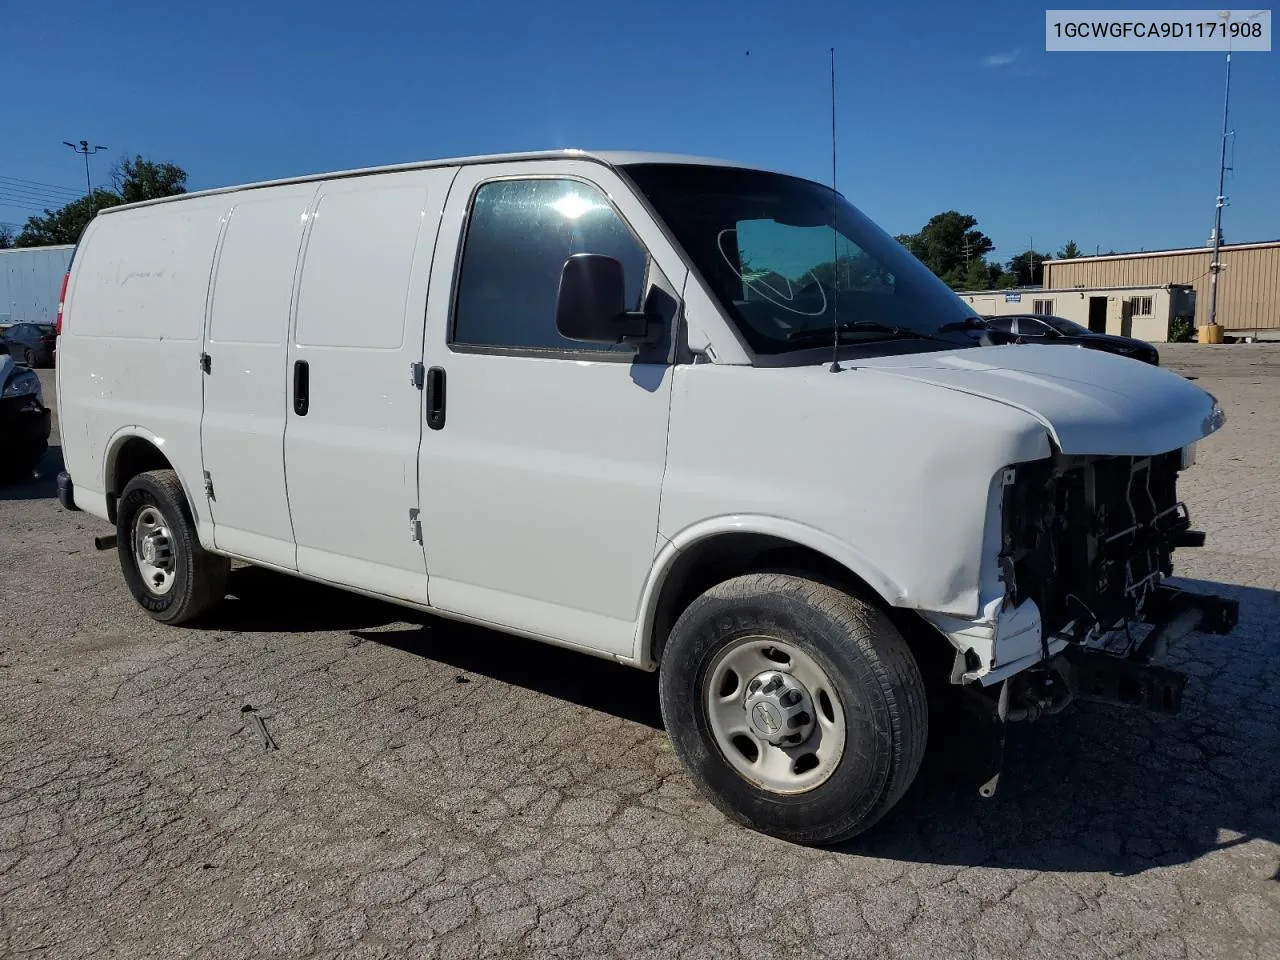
842 678
29 358
171 576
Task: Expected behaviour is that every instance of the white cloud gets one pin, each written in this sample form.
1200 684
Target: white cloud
1001 59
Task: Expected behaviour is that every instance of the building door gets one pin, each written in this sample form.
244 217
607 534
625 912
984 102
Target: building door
1098 314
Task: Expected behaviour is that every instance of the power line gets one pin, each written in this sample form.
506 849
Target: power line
52 198
27 203
38 186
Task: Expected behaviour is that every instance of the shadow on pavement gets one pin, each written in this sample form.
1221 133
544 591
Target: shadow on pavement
1095 789
1107 789
556 671
263 601
41 483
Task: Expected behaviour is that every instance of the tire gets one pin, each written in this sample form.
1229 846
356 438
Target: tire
177 580
29 358
876 694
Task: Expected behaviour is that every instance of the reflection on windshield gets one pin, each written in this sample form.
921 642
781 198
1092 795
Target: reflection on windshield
786 258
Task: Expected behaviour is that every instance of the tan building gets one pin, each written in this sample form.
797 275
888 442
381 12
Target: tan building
1142 312
1248 286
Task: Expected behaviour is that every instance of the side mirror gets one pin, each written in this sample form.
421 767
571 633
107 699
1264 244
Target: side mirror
591 303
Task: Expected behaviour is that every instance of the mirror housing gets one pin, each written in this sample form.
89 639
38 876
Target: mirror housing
591 302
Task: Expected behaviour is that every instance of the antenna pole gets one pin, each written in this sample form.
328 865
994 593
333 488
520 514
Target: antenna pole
1214 265
835 233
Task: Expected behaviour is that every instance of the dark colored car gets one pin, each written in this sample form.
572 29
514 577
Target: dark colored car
1047 329
24 419
32 343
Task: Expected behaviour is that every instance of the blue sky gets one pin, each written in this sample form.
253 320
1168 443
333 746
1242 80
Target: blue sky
942 105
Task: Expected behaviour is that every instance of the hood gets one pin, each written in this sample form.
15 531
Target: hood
1091 403
1128 343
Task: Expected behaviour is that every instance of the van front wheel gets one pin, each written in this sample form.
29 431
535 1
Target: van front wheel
797 708
170 575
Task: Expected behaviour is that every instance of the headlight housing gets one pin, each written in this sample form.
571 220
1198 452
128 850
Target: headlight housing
24 384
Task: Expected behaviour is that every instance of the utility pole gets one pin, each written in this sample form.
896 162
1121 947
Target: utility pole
1214 265
87 151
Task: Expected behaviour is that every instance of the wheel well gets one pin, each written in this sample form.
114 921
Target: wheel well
730 555
134 456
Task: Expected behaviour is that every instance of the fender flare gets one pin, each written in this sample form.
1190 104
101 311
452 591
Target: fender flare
848 556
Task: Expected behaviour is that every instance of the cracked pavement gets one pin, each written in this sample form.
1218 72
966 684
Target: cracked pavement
443 791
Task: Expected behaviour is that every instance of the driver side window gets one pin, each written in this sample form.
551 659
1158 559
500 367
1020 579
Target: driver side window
519 235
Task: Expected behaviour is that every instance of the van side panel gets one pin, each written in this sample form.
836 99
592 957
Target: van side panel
132 332
351 454
246 392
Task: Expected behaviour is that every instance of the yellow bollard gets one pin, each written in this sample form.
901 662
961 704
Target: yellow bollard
1210 333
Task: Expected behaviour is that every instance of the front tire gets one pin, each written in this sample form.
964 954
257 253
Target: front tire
797 708
171 576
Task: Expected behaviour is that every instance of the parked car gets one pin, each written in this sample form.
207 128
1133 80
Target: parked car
34 344
1047 329
24 419
626 404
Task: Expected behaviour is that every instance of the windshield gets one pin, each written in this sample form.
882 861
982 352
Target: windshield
1063 325
788 263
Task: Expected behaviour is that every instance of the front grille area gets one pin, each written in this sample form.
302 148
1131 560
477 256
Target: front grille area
1088 538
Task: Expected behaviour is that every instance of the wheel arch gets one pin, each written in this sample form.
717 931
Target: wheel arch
131 451
715 550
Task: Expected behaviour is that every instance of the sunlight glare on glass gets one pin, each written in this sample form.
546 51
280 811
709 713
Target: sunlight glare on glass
572 206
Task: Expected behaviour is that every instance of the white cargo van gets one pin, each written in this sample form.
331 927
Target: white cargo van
691 416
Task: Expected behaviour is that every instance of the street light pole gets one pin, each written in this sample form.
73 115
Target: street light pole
87 151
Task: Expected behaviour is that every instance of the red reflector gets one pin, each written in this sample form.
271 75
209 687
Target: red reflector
62 296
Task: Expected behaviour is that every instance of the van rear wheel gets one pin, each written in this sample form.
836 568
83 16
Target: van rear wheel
797 708
171 576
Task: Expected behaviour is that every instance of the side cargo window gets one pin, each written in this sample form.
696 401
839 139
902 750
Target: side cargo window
519 235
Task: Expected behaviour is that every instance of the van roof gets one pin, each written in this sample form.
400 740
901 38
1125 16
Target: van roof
611 158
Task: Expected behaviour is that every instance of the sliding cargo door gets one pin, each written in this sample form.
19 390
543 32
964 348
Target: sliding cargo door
245 400
355 412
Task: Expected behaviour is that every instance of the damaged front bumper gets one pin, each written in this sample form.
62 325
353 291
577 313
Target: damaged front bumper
1086 546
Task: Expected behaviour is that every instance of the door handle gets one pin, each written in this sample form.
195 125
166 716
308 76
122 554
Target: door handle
301 387
435 398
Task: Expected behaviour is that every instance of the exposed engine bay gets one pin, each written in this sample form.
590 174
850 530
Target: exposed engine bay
1089 539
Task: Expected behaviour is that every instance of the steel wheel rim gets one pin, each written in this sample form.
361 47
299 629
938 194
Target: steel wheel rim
153 550
783 768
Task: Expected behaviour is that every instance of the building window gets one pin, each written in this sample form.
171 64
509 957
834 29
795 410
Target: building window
1042 306
1140 307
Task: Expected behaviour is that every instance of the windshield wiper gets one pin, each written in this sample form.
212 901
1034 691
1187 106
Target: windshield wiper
859 326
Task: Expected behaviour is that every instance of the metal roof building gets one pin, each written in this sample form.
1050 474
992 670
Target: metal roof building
30 281
1248 286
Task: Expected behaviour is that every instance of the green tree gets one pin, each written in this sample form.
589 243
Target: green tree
140 179
1028 268
949 244
6 236
977 276
65 224
1070 251
135 179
